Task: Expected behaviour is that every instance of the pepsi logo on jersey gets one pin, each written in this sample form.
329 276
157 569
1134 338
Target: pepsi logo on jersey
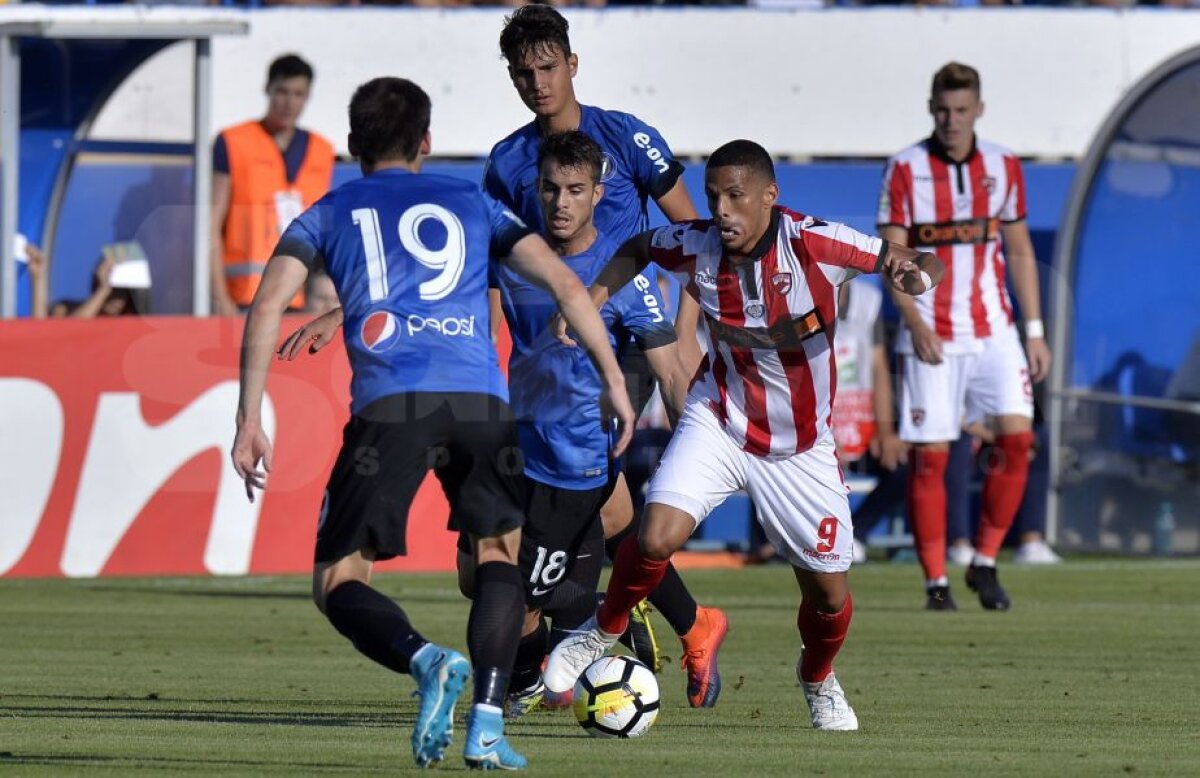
381 330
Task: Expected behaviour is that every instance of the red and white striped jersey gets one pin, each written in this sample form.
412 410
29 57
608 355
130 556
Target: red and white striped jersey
770 374
955 209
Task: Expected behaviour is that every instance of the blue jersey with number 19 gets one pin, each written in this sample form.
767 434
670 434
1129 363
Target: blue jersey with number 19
409 255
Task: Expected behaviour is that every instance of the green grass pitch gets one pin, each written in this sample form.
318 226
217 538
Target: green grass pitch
1093 672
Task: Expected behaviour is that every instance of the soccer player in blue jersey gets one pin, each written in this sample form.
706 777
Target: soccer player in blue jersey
410 256
567 448
638 166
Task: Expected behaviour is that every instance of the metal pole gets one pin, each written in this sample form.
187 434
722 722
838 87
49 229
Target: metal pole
202 178
10 128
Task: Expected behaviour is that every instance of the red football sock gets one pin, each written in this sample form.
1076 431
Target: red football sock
633 578
1003 488
823 635
927 508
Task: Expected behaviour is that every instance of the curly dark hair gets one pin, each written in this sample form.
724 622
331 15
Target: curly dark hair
388 119
535 29
575 150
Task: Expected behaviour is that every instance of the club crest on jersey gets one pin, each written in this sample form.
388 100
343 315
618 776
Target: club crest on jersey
782 282
380 331
755 310
608 167
918 416
989 183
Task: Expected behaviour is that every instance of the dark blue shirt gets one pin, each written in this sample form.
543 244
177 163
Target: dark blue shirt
410 256
638 165
554 387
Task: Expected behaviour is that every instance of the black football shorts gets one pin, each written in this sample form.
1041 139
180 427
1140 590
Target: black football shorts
467 439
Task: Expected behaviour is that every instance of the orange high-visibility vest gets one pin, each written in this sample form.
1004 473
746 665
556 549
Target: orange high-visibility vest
262 201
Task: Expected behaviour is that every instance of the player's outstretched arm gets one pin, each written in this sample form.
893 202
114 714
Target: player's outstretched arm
538 263
630 259
316 335
1022 263
282 279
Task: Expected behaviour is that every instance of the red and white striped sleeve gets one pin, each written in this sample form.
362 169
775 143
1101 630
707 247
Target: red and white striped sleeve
895 196
1013 209
830 243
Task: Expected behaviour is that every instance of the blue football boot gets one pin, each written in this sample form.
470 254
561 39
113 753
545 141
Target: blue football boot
441 674
486 747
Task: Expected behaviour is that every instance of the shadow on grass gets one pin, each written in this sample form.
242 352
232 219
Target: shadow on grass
298 702
304 595
10 759
269 718
230 594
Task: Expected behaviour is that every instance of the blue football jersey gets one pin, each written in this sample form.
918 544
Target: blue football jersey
554 387
410 256
638 165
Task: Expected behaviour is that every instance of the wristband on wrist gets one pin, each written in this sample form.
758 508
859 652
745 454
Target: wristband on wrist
1034 328
925 279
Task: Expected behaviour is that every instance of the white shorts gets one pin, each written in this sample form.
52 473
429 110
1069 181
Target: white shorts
800 500
935 399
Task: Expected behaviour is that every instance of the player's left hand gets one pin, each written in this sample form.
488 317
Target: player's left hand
316 335
1037 353
251 447
615 406
558 327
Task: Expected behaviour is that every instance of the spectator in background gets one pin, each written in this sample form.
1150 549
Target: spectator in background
266 172
104 300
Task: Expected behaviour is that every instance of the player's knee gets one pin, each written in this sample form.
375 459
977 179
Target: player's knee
831 601
658 546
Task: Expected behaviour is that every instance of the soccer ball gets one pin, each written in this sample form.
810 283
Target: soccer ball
617 696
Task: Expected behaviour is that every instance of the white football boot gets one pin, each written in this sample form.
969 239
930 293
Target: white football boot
827 703
572 656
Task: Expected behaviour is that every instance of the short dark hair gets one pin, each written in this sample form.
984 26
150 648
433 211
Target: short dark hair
743 153
955 75
388 119
573 149
537 29
289 66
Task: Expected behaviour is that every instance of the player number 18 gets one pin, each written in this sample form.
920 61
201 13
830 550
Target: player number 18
448 260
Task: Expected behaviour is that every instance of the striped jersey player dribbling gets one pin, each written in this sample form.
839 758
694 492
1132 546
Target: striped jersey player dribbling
757 416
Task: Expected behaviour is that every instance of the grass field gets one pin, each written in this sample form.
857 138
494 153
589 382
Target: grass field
1094 672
